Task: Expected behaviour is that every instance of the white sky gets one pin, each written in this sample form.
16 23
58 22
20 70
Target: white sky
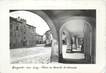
32 19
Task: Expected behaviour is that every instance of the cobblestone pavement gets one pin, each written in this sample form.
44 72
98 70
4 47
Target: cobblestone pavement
30 55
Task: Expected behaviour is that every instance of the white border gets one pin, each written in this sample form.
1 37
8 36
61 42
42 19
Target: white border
5 66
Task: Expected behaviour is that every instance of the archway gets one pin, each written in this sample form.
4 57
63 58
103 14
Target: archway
46 18
76 36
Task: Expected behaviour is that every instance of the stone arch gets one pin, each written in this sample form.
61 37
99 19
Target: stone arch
46 18
91 28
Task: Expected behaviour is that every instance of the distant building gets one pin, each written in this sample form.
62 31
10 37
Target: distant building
22 34
47 38
39 39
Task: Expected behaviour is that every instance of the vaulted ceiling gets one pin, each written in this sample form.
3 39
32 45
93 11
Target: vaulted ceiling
59 17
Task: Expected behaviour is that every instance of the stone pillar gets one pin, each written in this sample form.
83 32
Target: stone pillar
68 41
77 44
74 43
54 51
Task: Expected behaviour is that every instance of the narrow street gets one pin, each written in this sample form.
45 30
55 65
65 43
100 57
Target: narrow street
30 55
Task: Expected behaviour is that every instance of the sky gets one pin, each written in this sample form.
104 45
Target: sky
32 19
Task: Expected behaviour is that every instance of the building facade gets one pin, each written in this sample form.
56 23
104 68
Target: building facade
21 34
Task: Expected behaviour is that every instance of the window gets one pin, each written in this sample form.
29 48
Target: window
17 27
11 26
24 32
24 37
